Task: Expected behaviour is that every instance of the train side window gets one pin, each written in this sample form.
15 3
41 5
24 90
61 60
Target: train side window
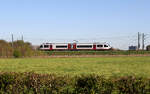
46 46
105 45
61 46
84 46
99 45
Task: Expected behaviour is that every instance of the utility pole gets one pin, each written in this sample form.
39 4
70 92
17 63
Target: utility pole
143 41
12 40
139 35
22 37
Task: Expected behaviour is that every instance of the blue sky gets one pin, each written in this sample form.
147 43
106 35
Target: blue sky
113 21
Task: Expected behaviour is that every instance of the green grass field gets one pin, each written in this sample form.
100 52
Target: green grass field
51 53
107 66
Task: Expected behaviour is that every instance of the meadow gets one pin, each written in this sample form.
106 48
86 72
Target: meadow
107 66
70 53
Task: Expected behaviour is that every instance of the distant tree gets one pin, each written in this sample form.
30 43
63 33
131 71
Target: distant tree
19 49
17 53
22 49
5 49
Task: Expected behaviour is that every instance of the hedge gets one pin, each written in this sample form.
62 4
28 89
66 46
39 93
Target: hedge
32 83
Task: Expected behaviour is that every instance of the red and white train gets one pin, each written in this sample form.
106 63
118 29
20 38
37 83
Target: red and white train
74 46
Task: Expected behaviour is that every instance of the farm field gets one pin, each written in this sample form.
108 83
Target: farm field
107 66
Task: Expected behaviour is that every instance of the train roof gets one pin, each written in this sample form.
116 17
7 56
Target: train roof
77 43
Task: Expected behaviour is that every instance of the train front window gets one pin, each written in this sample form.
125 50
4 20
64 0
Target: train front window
41 46
46 46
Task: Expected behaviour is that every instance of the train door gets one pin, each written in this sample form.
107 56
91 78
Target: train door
51 47
94 46
69 46
74 46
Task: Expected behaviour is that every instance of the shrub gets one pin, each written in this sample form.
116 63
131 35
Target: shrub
93 84
6 83
86 84
132 85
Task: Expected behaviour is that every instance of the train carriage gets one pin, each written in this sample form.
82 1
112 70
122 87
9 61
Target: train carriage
74 46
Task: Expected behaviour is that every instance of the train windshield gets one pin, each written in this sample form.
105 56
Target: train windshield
41 46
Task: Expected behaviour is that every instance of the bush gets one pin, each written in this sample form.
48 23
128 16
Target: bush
93 84
132 85
6 83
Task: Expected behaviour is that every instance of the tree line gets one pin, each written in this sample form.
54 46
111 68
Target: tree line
18 48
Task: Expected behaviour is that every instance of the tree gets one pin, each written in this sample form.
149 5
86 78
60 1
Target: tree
23 49
5 49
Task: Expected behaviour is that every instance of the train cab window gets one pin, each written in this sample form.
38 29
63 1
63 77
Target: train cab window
99 45
61 46
105 45
46 46
41 46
